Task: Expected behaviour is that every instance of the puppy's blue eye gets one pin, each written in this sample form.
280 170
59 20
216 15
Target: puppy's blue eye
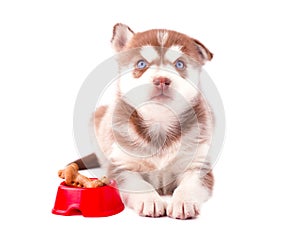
141 64
179 64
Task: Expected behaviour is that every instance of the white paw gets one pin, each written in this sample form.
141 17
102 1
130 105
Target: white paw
147 204
183 206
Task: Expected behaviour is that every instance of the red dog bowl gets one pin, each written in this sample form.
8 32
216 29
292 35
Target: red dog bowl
89 202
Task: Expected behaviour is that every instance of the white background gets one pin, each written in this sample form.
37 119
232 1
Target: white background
47 49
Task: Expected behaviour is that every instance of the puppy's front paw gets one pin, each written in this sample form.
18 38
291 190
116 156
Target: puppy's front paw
147 204
183 206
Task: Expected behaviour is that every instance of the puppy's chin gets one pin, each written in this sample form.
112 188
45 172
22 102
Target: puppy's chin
163 96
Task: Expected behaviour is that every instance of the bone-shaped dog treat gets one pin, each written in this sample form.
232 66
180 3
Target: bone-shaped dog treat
74 178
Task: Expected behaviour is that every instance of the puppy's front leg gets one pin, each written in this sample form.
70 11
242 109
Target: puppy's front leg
188 197
140 195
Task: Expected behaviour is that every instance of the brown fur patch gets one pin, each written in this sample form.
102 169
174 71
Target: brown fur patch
137 73
139 126
98 115
204 117
208 180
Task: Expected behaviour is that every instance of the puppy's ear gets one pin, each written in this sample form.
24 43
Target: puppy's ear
203 51
121 35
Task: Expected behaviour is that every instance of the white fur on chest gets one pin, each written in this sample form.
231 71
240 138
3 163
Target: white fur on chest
157 116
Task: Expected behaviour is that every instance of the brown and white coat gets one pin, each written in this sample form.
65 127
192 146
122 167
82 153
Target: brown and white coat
157 132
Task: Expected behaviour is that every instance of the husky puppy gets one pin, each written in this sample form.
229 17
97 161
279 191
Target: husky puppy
157 132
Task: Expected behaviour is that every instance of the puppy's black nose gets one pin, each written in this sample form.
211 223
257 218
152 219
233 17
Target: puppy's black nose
161 81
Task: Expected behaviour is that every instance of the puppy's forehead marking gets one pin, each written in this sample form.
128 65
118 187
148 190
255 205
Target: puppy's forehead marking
149 53
173 53
162 37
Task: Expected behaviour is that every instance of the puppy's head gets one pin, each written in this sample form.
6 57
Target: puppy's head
158 65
